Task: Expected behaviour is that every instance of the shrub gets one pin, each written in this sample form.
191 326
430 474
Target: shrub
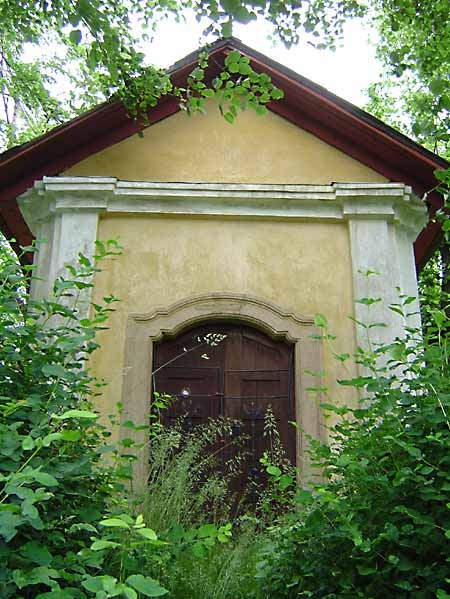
54 490
378 526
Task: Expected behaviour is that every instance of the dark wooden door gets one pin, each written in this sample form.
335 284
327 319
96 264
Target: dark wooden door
240 377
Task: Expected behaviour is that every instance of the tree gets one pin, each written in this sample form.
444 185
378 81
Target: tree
415 53
95 50
97 53
413 95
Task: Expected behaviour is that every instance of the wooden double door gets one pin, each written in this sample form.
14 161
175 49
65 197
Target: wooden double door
235 371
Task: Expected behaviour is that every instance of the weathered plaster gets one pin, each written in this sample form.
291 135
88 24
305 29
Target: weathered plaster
206 148
299 247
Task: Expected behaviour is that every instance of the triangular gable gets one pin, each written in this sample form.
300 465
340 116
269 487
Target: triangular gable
306 104
261 150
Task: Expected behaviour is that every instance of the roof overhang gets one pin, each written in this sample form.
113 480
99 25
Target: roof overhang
305 104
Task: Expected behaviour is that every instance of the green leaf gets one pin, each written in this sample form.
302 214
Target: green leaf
28 443
9 523
227 28
71 436
273 470
199 550
44 478
437 86
277 94
343 460
245 69
100 545
145 585
114 523
42 575
368 301
77 414
320 321
207 530
84 260
37 553
285 481
232 57
93 583
261 110
53 370
75 36
243 15
48 439
148 533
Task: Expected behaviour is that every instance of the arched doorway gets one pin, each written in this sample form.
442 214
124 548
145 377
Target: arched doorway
240 377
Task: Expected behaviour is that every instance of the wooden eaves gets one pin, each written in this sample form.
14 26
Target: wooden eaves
306 104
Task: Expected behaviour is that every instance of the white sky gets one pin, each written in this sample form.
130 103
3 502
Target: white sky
346 72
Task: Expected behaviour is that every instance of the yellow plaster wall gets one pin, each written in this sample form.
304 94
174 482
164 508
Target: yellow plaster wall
254 149
304 267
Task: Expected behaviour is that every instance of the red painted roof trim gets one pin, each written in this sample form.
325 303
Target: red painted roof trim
305 104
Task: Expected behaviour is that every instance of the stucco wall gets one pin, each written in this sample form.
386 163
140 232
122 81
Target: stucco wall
254 149
302 267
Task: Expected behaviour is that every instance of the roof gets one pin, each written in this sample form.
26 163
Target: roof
306 104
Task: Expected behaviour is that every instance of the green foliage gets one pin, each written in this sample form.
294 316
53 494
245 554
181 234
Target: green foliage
434 279
94 50
67 527
210 553
238 87
416 58
377 524
224 571
54 488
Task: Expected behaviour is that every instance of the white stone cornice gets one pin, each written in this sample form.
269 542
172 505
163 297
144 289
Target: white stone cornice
393 202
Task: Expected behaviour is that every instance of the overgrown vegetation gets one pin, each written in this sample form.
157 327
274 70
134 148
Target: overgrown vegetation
96 49
56 493
379 525
375 524
190 503
68 525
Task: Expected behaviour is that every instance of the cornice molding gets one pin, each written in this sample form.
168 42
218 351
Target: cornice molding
394 202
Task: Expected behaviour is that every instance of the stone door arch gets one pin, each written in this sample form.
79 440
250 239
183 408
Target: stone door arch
144 330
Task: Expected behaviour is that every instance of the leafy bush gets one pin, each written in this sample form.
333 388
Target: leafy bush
54 488
376 525
379 524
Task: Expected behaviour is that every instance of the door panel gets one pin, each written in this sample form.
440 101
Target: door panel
196 391
241 378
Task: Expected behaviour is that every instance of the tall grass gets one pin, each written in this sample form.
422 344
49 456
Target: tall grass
226 572
187 488
185 485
